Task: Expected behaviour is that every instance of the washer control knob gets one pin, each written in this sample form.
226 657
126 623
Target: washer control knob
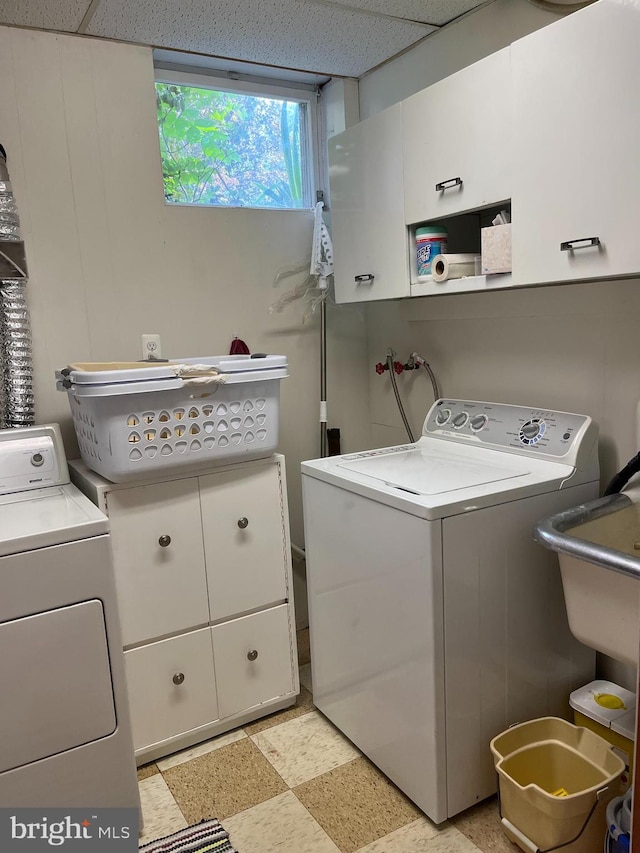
478 422
460 420
178 678
37 460
164 541
252 655
532 431
442 416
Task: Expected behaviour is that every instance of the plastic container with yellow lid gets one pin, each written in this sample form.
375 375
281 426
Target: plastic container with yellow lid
610 711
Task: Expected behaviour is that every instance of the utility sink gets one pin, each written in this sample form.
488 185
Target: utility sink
598 545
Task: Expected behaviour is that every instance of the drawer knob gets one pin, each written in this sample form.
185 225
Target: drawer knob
178 678
252 655
243 522
164 541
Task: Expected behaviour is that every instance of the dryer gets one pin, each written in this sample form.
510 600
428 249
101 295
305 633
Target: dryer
65 737
435 619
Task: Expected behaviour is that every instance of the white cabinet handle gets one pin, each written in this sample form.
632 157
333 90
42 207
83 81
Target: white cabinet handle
178 678
252 655
448 184
243 523
586 243
164 541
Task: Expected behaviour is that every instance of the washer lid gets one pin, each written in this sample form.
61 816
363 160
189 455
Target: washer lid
429 471
44 517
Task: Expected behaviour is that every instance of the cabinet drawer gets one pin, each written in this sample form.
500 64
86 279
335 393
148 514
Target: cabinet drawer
244 539
158 559
162 703
253 658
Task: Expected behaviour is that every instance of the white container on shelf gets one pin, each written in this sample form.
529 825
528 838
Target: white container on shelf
135 419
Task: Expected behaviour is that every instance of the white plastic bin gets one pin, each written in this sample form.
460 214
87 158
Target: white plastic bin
139 419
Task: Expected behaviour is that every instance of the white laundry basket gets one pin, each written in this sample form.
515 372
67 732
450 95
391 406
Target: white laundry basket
138 419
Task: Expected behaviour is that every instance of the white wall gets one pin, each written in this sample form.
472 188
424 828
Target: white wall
573 347
108 260
453 47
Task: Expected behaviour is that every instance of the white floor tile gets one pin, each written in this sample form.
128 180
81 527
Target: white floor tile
422 836
160 812
304 748
279 825
200 749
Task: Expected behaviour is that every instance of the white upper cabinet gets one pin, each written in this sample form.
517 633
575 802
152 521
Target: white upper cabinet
457 142
576 125
367 210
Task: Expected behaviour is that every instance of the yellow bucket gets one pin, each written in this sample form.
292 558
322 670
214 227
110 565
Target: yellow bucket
555 782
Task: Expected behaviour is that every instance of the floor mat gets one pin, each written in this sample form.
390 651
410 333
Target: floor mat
209 836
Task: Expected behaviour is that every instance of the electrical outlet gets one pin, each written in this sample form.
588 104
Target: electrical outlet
151 347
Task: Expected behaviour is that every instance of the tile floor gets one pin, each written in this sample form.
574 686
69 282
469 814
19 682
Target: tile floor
291 783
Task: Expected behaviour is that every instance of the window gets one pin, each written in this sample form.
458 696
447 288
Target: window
235 148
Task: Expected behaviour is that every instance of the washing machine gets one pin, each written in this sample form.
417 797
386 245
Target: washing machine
65 736
435 619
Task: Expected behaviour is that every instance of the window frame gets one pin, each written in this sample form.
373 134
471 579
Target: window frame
246 84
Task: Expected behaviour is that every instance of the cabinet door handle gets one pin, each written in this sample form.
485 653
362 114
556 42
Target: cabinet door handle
365 278
252 655
178 678
448 184
164 541
587 242
243 522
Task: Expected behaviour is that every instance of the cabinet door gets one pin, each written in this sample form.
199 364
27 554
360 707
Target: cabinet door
245 539
158 558
367 209
576 125
253 659
456 133
171 687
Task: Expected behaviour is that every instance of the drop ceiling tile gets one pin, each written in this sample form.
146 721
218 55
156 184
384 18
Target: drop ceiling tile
290 33
437 12
65 15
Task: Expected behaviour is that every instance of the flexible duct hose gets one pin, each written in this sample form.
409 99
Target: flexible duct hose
620 480
16 394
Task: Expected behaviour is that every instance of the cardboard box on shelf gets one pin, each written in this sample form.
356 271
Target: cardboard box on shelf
496 249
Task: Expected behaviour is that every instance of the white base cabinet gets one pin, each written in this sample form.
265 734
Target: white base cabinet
203 576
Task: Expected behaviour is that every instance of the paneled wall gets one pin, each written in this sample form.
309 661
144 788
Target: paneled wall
108 260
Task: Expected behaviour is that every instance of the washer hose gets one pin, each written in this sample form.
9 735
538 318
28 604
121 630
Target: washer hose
398 400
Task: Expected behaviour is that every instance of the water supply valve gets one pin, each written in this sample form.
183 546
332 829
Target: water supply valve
398 367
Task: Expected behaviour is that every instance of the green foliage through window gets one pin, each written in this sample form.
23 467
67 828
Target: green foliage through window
231 149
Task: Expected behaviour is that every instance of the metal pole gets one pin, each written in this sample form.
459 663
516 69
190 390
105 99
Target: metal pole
323 378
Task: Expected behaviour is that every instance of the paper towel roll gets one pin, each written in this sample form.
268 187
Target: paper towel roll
444 267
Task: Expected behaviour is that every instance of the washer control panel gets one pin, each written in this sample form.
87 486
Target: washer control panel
503 426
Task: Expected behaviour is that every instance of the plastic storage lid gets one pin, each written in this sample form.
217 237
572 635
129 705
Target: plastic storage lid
625 725
604 702
90 373
432 231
